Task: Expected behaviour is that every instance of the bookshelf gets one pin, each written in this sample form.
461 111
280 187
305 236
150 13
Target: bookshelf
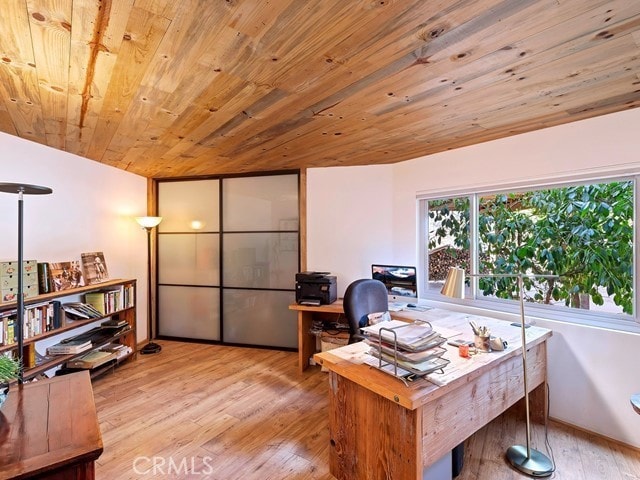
125 312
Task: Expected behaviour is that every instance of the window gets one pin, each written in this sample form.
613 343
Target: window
582 233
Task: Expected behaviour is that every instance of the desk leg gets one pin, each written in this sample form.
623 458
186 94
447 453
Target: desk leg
306 341
371 437
538 405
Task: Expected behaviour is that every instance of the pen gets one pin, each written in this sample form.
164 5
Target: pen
474 327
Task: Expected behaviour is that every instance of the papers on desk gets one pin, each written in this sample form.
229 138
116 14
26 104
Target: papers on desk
414 337
405 348
413 357
420 368
396 307
386 367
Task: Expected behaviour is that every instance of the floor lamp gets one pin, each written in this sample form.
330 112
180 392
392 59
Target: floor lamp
21 189
523 458
148 224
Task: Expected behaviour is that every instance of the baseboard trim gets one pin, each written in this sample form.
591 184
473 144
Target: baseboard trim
596 434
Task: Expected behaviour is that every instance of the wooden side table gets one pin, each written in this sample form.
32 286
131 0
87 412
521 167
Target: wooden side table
49 429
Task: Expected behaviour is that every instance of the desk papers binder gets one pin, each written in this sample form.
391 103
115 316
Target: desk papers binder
422 368
414 337
405 350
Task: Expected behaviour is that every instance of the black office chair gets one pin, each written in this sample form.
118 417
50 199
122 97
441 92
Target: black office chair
363 297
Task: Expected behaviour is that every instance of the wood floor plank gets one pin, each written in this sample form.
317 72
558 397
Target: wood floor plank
226 413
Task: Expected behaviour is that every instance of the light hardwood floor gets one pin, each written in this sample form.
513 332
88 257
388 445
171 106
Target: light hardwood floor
224 413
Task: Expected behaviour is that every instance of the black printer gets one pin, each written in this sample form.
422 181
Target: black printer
316 288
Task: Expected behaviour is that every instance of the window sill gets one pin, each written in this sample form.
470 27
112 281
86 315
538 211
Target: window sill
511 313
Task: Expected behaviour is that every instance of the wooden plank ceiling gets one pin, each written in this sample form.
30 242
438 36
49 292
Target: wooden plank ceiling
167 88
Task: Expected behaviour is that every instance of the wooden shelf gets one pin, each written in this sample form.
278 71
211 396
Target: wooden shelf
102 369
127 337
61 359
65 293
70 325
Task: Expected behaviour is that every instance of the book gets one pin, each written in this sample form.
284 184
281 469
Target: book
69 347
94 267
112 347
56 317
114 323
44 278
96 300
93 359
111 300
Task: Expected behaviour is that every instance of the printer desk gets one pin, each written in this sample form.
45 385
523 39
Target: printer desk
306 315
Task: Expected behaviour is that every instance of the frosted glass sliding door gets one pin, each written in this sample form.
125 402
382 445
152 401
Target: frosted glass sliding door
260 259
189 259
228 252
189 312
259 317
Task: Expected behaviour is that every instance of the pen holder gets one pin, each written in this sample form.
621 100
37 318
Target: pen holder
482 344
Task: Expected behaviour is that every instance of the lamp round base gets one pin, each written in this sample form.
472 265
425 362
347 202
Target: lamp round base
537 465
150 348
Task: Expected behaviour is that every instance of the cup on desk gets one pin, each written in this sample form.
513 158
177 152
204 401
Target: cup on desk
482 343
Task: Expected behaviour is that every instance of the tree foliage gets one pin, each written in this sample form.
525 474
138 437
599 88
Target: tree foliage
583 234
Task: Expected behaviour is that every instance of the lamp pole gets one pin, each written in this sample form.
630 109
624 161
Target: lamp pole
527 460
21 190
148 223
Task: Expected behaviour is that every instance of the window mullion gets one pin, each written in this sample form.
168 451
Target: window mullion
636 236
473 244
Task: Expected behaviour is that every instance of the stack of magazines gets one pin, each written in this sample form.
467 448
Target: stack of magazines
80 311
410 348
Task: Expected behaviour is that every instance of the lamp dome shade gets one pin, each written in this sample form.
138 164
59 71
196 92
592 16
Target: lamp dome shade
148 222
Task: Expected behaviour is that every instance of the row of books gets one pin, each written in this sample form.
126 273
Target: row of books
44 317
38 319
112 300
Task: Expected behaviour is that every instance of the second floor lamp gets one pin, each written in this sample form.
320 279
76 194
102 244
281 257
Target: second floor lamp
521 457
148 224
21 189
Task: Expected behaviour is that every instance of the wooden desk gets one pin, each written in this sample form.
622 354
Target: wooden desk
49 430
379 428
306 315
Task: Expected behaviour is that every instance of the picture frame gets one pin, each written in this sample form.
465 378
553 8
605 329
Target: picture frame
65 275
94 267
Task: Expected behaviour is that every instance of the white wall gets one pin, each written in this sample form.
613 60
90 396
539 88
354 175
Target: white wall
592 371
349 215
91 209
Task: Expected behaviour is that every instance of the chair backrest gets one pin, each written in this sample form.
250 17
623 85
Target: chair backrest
363 297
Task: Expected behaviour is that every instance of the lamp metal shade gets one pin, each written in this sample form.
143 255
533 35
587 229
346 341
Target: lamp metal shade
454 284
148 222
24 188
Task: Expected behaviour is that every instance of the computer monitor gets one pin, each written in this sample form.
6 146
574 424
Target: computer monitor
400 281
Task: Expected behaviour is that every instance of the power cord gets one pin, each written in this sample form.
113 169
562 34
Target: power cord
546 429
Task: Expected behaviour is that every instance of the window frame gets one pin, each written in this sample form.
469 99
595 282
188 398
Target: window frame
501 306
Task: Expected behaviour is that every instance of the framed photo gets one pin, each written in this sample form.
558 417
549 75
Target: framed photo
65 275
94 267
